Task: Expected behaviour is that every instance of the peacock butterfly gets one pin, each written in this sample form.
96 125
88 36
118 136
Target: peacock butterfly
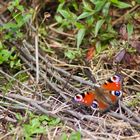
104 96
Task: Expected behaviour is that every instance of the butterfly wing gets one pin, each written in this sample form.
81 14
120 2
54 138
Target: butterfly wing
90 99
113 83
102 97
112 88
108 93
85 98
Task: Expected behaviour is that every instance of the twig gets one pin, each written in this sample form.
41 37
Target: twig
61 63
60 32
41 109
116 115
130 112
123 16
65 73
59 79
37 61
52 85
11 96
7 119
14 79
9 111
88 117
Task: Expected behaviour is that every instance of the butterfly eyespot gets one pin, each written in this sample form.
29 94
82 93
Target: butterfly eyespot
117 93
78 98
106 83
115 78
94 105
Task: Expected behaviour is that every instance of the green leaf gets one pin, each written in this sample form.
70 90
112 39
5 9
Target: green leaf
10 25
26 18
70 54
107 36
80 36
98 26
87 6
64 137
65 14
39 130
75 136
12 63
60 6
75 5
58 19
73 16
98 47
90 21
35 122
85 14
106 9
79 25
21 8
93 1
61 1
99 5
4 55
138 1
1 46
44 118
54 121
120 4
19 116
129 29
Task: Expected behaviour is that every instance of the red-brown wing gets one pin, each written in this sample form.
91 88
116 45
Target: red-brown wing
103 96
86 98
113 83
90 99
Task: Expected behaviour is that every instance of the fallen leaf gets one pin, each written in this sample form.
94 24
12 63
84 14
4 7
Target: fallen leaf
123 32
127 59
135 44
90 53
119 57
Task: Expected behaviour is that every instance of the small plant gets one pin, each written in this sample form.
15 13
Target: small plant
37 125
91 19
9 57
73 54
73 136
135 101
32 126
12 31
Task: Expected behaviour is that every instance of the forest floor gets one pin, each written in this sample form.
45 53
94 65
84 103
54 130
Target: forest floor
51 51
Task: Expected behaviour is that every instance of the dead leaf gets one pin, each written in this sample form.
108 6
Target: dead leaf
90 53
123 32
119 57
127 58
136 44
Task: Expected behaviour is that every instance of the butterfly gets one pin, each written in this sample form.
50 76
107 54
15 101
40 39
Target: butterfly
102 97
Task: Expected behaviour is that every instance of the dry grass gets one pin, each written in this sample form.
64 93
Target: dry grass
52 95
51 85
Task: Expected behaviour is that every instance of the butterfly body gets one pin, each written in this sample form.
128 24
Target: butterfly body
104 96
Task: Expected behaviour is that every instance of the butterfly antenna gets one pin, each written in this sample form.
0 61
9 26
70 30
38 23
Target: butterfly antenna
89 75
88 72
68 79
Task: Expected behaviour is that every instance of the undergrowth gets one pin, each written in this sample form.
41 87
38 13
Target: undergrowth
13 31
91 25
